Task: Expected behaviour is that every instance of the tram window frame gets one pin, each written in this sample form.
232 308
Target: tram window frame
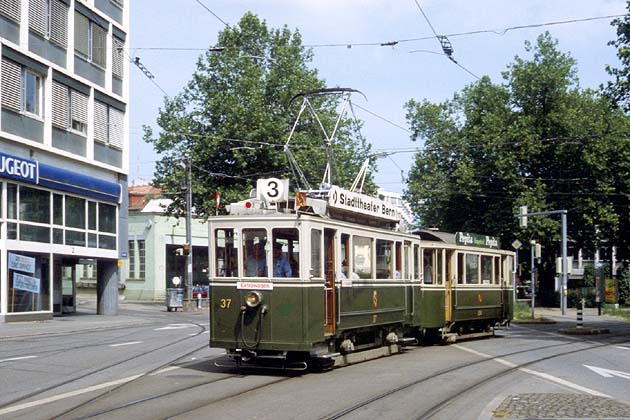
229 253
416 262
439 266
316 253
386 270
361 244
398 260
472 267
460 268
406 260
498 273
289 238
428 270
486 267
254 238
344 251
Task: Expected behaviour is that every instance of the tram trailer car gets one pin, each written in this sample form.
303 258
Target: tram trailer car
309 287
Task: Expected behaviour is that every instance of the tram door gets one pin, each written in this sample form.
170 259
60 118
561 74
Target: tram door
448 286
330 310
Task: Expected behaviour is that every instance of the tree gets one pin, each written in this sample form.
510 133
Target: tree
536 140
233 119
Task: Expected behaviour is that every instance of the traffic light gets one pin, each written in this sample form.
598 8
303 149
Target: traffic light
186 249
522 221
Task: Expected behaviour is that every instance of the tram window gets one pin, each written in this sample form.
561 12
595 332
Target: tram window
416 262
486 270
439 257
472 269
254 252
384 259
428 268
508 264
407 261
226 254
460 268
316 253
498 275
398 262
362 256
345 255
286 252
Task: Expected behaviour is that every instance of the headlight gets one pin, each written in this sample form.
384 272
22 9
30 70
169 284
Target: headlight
253 299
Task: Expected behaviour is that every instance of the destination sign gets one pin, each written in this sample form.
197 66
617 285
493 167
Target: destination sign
360 203
473 239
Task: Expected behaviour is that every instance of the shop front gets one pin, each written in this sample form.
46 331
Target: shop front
51 220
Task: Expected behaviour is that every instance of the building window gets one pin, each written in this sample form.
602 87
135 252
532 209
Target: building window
90 40
69 108
49 18
21 88
119 3
11 9
117 57
141 259
108 125
131 251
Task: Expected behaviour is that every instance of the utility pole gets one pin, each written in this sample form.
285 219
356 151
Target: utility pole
188 245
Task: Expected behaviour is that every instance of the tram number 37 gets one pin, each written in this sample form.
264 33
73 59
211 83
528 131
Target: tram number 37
225 303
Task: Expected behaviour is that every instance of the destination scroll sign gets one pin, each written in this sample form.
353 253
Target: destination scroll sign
360 203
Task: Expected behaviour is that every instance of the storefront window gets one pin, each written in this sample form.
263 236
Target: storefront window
12 201
91 215
75 213
29 283
58 209
106 218
34 205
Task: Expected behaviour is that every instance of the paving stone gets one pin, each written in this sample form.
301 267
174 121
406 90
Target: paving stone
560 406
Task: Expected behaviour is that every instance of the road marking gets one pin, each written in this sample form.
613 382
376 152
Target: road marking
66 395
535 373
125 344
619 347
608 373
175 327
166 369
17 358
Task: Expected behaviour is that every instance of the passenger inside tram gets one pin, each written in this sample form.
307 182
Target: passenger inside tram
255 260
281 265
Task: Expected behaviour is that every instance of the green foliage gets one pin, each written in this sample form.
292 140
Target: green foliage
233 118
536 140
522 310
624 284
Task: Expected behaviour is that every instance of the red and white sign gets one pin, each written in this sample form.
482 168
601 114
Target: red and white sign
254 285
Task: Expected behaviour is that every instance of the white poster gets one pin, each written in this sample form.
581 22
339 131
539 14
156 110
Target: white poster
21 263
26 283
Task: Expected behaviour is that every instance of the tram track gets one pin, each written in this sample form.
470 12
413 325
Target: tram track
40 391
453 396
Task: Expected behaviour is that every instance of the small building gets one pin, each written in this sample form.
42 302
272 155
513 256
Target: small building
156 246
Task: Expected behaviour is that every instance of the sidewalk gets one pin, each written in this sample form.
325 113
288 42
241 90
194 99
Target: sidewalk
86 319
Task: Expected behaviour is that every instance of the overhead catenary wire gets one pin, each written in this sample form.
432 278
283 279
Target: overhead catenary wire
499 32
212 13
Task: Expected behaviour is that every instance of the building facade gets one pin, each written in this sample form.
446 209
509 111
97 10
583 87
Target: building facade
64 149
156 244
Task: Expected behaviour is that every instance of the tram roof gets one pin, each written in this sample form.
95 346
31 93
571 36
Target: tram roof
435 236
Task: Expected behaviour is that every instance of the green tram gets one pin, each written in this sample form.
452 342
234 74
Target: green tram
331 274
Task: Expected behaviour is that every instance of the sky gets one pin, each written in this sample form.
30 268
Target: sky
169 36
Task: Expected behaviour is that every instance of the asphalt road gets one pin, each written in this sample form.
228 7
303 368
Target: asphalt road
147 363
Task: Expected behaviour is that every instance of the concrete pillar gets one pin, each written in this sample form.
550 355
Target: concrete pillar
107 287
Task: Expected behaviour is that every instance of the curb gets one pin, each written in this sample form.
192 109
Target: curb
584 331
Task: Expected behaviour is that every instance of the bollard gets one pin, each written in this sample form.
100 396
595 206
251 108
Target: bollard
580 311
198 300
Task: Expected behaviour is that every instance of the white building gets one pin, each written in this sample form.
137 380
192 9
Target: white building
64 149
